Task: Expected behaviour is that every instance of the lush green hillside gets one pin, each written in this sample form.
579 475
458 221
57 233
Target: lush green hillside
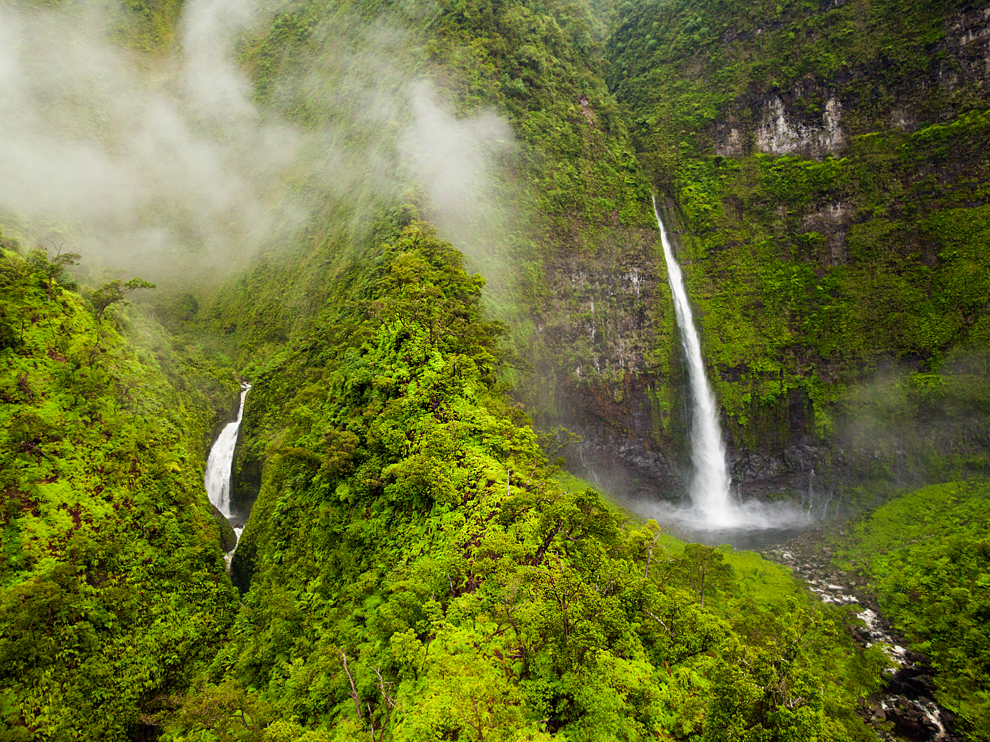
820 165
564 233
412 572
928 556
825 169
413 567
112 582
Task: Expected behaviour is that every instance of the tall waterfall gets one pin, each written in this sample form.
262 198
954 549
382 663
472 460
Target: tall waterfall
710 483
217 480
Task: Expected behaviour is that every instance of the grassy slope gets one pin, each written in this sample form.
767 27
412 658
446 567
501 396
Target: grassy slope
112 582
813 269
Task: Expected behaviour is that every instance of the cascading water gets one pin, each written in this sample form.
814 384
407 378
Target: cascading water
907 700
710 483
217 479
713 509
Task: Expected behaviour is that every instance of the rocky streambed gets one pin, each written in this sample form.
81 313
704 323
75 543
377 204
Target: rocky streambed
906 709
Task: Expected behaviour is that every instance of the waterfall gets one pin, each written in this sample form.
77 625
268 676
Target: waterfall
811 491
709 486
217 479
713 510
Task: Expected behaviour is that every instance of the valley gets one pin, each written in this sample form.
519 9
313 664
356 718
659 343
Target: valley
559 370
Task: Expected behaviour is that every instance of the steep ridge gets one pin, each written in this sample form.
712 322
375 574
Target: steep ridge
112 583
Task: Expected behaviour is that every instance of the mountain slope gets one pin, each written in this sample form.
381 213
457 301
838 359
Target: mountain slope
560 223
112 584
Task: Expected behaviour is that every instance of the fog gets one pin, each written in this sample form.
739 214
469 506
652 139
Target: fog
168 164
462 184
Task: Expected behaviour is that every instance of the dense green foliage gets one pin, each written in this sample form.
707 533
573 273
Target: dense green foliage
412 572
413 568
928 556
571 190
827 184
537 61
112 580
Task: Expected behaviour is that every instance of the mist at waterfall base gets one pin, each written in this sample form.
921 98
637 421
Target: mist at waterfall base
637 491
714 514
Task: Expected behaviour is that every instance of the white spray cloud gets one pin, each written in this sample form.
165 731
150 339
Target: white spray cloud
166 164
455 161
122 156
217 88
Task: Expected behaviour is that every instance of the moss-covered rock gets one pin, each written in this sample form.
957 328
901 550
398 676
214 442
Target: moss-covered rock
825 164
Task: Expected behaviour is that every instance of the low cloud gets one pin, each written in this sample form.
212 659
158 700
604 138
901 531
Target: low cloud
169 164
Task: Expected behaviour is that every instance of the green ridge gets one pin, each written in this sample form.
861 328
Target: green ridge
112 584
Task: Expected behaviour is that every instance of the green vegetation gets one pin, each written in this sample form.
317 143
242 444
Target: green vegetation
412 571
572 189
112 582
536 62
415 567
853 240
927 554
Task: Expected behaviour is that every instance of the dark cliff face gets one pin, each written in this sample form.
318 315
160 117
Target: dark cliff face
606 363
827 163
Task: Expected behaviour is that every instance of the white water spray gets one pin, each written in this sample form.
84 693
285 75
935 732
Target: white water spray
710 483
714 509
217 479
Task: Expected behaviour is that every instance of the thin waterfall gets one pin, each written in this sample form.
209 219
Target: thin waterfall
217 479
710 483
811 491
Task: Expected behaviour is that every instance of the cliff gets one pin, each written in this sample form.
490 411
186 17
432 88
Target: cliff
825 162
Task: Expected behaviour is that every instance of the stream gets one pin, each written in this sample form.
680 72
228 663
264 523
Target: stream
908 703
907 706
218 466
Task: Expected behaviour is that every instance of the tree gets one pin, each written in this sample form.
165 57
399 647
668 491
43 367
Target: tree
229 711
56 267
703 568
114 293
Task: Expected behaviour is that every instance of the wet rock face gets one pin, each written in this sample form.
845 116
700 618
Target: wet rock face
628 471
228 539
597 317
596 328
968 44
246 469
780 134
790 466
